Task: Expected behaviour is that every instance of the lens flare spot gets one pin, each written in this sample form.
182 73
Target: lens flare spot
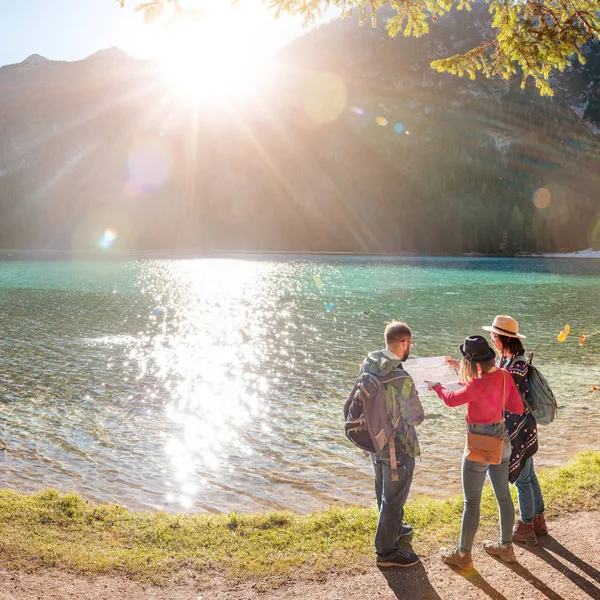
357 110
398 128
150 166
325 98
542 198
108 238
129 189
329 306
381 121
318 281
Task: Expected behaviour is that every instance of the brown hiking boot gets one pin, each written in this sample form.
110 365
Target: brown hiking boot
539 525
457 558
504 552
524 532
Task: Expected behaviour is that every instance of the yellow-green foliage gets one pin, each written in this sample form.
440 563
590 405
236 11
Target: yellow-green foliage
63 530
533 37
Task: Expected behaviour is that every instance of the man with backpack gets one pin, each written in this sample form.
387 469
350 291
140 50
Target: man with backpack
381 413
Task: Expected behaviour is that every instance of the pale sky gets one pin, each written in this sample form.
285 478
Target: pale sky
74 29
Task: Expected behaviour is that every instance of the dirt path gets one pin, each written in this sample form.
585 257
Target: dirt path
566 566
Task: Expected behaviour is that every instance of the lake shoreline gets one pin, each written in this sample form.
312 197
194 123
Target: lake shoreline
108 255
62 531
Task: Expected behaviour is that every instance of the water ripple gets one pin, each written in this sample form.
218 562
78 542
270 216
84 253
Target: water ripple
217 384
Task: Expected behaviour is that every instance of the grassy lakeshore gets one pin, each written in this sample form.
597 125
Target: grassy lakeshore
49 529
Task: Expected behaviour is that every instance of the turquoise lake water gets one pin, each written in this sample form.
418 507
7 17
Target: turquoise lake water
217 384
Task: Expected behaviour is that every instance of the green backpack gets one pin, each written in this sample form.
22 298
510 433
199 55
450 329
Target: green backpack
541 399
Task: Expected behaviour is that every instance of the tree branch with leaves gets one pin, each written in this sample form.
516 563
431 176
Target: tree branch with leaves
530 38
562 336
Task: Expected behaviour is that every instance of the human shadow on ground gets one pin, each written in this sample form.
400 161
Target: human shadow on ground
474 578
527 575
412 582
551 544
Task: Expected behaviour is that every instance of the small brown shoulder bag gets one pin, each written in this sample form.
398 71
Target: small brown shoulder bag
487 448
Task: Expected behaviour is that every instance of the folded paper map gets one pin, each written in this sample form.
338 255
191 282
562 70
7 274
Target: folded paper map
433 368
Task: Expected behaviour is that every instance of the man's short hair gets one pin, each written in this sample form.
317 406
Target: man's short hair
396 331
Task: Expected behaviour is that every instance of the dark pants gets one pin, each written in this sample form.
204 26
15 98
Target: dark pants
391 497
531 501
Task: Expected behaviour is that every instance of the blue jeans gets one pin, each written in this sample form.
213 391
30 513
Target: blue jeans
473 478
391 497
529 494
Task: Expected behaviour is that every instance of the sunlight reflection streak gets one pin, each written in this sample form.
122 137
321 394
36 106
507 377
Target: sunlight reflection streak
197 357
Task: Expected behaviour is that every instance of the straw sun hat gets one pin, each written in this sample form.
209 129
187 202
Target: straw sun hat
504 325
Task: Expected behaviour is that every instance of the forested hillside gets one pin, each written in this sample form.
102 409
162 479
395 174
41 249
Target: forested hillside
353 144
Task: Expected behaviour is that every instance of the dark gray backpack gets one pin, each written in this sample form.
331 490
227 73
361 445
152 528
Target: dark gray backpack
541 399
367 422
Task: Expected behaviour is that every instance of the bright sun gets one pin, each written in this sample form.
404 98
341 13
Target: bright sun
222 54
208 65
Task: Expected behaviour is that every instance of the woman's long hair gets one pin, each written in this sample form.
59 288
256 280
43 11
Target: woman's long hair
468 369
512 345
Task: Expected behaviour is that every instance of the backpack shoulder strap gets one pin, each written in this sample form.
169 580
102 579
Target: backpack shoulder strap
386 380
396 373
519 358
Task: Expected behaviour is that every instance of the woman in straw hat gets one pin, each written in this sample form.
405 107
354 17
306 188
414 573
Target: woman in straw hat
523 433
487 391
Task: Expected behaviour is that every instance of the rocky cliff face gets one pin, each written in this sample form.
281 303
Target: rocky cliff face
353 144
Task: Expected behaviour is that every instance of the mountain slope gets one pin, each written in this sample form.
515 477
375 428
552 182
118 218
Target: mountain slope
354 144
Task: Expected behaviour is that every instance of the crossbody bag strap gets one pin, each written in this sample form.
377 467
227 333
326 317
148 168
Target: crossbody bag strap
503 399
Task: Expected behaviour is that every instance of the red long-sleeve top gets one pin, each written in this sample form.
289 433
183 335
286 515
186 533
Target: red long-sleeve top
483 397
